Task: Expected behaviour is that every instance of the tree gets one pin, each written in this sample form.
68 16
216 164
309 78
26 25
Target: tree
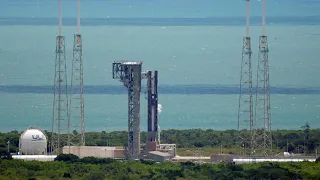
67 158
306 130
4 154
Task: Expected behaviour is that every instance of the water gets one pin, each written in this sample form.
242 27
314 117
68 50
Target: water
198 61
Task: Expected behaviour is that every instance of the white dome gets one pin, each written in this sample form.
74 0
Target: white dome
33 142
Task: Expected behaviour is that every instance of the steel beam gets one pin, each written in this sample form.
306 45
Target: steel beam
130 74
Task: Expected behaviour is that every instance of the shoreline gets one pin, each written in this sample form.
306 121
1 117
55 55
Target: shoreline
174 129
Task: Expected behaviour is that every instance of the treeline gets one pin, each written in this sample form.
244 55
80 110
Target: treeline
305 140
296 141
95 168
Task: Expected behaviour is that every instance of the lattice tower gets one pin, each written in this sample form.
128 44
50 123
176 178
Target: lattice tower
245 109
130 74
262 123
60 125
76 112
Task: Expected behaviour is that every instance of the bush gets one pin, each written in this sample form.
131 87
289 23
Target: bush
147 162
318 160
67 175
4 154
67 158
95 160
95 176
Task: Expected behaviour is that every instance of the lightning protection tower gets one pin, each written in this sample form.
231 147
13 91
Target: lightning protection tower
245 111
263 137
130 74
60 124
76 111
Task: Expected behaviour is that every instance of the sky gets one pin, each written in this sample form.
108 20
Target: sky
156 8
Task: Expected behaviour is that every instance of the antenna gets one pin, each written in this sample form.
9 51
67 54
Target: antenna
78 18
60 17
248 18
263 17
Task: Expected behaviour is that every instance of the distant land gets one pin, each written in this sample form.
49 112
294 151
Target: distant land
163 89
209 21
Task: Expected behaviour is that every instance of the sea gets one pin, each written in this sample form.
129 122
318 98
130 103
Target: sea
196 46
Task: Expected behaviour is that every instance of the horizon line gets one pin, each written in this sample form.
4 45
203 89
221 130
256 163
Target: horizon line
166 21
190 89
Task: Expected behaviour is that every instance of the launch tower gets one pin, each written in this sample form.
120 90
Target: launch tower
129 73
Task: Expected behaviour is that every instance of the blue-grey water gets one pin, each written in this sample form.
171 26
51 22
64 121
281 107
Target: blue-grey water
195 46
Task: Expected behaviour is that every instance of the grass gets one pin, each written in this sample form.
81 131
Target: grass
208 151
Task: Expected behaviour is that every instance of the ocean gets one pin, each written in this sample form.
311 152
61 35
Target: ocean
195 45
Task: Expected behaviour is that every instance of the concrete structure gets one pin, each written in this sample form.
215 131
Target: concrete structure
230 158
33 142
151 146
168 148
253 160
95 151
190 158
35 157
159 156
217 158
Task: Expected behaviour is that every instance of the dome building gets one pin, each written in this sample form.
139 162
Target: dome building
33 142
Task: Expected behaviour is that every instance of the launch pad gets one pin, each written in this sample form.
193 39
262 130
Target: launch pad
131 75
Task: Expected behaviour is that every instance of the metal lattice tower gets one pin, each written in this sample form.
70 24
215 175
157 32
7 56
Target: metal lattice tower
60 124
263 136
76 111
130 74
245 111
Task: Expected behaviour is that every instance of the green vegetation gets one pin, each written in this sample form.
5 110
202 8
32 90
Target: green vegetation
95 168
305 140
210 141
